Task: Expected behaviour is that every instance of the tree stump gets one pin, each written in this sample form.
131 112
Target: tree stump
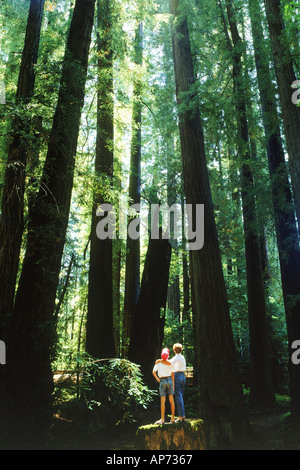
187 435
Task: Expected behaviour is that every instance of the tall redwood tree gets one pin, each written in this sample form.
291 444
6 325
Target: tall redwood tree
286 76
29 377
221 399
99 335
132 275
12 209
262 386
288 243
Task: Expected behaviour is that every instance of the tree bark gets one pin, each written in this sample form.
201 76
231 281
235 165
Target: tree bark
221 400
285 75
99 328
132 274
148 320
12 223
283 204
185 272
173 289
64 290
29 376
262 388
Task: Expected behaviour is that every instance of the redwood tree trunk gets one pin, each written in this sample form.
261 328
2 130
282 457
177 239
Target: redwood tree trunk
12 225
173 298
99 328
148 320
132 274
29 375
285 75
284 211
262 387
185 272
221 400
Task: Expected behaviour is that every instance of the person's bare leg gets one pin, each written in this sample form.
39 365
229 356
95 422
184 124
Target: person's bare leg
162 408
171 400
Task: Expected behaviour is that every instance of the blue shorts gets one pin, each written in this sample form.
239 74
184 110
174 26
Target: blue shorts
166 387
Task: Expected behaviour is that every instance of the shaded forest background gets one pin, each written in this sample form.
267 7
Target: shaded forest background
153 102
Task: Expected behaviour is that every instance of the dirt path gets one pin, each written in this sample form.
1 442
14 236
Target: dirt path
275 431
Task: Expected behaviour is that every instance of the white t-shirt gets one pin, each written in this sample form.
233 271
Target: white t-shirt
178 363
163 370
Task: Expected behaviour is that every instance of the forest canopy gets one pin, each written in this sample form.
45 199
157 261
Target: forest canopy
111 110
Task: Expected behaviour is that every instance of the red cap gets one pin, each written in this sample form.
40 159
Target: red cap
165 354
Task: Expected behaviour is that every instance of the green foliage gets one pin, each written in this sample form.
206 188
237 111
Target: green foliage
115 389
179 331
292 23
116 386
161 158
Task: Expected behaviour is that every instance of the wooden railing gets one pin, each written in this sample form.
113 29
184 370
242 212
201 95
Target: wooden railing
73 375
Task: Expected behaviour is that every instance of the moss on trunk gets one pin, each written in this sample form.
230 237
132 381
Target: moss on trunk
187 435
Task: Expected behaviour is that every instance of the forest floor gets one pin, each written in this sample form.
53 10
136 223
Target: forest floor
273 430
270 430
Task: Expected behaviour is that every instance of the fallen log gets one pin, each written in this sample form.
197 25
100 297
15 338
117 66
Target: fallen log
186 435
